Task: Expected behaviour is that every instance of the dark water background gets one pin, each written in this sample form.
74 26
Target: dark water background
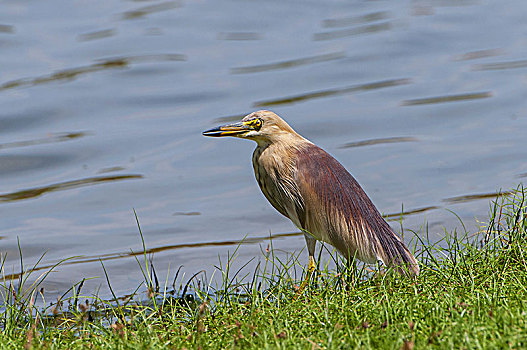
103 104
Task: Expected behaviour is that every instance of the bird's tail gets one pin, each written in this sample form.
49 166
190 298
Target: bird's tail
394 253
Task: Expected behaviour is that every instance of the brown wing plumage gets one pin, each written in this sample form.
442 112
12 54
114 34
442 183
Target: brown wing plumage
338 211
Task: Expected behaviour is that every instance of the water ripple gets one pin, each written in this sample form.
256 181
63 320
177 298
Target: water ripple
103 64
332 92
100 34
110 169
5 28
61 186
342 33
52 139
473 55
146 10
378 141
289 63
113 256
348 21
473 197
500 65
395 216
447 98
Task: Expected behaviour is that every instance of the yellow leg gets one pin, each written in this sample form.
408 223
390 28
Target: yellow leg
310 268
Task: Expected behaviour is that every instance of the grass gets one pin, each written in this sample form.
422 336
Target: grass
470 294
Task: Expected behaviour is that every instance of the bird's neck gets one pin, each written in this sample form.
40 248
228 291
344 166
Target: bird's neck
290 140
279 152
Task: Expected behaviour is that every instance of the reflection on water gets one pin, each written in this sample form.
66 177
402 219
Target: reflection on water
72 73
348 21
127 60
124 255
379 141
473 55
111 169
100 34
332 92
146 10
289 63
500 65
397 216
447 98
66 74
4 28
61 186
474 197
51 139
342 33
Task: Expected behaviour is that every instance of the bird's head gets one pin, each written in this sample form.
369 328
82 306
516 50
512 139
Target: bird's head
264 127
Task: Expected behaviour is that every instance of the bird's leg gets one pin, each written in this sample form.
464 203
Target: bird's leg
311 243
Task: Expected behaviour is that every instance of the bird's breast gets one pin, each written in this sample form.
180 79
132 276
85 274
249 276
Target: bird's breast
275 180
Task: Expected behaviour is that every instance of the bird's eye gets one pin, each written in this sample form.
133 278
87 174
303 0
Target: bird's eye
255 124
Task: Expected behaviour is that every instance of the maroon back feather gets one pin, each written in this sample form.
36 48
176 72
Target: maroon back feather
323 177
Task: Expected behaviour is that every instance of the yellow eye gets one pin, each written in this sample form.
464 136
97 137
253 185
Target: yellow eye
255 124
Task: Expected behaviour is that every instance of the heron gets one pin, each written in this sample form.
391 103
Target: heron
311 188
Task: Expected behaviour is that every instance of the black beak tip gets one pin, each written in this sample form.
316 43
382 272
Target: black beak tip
214 132
226 130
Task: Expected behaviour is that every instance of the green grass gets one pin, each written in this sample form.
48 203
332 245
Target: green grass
471 293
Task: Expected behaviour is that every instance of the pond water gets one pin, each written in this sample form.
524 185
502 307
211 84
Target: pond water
103 104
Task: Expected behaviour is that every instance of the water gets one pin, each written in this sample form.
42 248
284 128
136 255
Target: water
103 104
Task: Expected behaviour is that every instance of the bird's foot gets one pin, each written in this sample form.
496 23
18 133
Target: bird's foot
310 269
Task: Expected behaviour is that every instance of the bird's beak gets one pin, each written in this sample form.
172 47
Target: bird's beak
227 130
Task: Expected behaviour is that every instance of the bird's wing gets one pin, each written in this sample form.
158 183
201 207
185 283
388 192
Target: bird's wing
338 208
334 201
336 204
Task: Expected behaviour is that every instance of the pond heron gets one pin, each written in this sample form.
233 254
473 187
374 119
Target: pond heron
313 190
